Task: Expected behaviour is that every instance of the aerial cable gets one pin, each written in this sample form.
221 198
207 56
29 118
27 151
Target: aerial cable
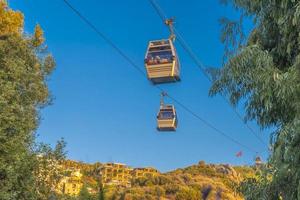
195 58
103 36
200 65
210 125
130 61
159 10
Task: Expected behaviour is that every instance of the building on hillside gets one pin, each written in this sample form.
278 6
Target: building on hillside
115 174
70 164
74 165
144 172
71 185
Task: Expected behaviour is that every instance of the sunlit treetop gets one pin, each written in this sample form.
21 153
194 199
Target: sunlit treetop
11 22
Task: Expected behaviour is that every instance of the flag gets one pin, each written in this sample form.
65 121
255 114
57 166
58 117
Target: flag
239 154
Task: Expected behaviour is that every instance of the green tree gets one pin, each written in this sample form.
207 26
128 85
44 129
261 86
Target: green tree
263 71
101 195
84 194
48 171
24 68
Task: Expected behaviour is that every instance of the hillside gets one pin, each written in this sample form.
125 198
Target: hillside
190 183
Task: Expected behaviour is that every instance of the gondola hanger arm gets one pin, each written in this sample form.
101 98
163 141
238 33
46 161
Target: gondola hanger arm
162 95
170 23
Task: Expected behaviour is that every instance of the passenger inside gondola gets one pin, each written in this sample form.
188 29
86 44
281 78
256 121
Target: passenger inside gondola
166 114
150 60
159 57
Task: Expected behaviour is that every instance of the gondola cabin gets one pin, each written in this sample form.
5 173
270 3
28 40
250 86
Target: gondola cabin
258 161
167 118
161 62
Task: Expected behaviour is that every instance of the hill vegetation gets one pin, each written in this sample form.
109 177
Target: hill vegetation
201 181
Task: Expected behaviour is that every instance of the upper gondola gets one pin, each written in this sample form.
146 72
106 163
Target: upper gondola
161 62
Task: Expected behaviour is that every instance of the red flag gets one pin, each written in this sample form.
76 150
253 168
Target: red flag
239 154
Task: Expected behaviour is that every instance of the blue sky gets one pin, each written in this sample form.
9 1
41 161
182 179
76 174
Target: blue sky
106 110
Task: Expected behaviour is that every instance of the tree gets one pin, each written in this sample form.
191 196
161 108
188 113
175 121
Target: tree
24 67
264 72
84 194
48 172
11 21
101 195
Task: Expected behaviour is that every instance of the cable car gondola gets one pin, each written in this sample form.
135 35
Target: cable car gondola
161 60
258 161
166 117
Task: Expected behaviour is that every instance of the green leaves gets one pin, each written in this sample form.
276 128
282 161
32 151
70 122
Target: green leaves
24 68
264 73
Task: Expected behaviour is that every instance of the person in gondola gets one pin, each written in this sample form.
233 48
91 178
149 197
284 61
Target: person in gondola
157 59
164 59
150 60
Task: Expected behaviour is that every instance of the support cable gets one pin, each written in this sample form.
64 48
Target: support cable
200 65
130 61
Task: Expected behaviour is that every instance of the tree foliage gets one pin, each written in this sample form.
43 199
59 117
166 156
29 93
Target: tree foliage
11 22
24 67
263 71
47 171
84 194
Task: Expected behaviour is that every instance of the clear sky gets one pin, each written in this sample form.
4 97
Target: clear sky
106 110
